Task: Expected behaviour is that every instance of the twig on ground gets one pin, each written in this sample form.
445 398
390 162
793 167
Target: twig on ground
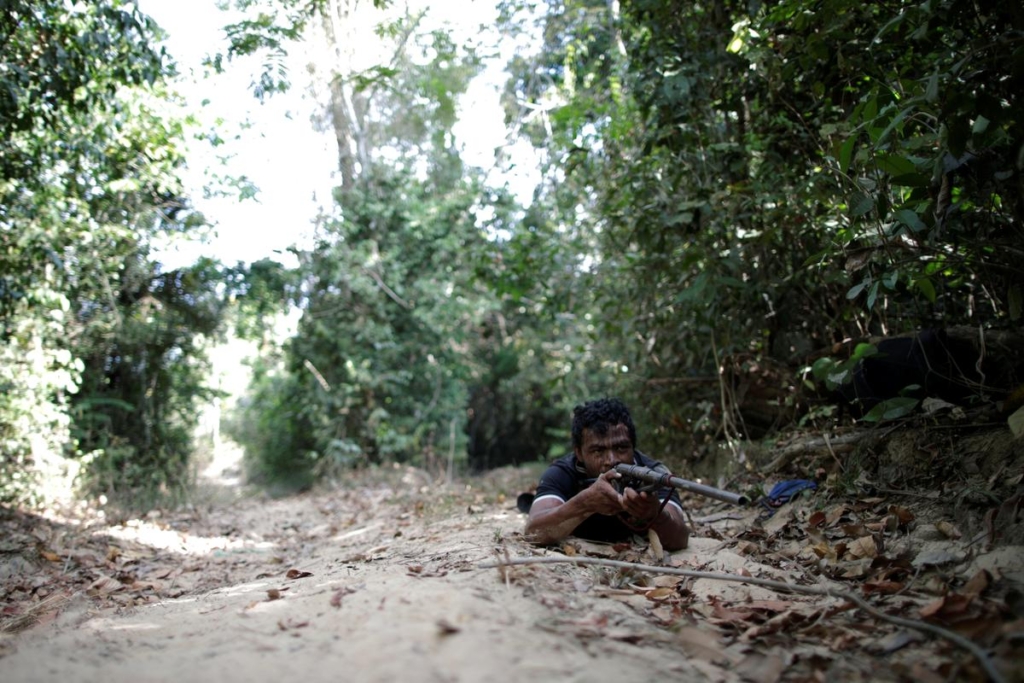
32 615
983 659
931 495
786 454
717 517
828 442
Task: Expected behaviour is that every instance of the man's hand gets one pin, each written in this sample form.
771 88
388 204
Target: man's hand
603 498
665 520
642 507
551 520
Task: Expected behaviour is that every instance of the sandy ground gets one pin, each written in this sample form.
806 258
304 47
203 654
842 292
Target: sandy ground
389 595
383 583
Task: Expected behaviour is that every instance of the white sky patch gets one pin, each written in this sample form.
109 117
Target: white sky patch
275 145
272 143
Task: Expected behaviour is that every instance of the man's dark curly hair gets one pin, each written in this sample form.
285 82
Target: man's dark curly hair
599 416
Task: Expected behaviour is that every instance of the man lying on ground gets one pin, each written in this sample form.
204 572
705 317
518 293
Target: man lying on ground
576 495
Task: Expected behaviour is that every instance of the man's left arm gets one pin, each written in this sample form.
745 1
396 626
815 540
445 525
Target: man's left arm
666 520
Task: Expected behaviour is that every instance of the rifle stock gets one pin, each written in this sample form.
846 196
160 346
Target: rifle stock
667 479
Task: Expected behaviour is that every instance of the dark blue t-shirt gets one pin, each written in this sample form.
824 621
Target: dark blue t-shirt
566 477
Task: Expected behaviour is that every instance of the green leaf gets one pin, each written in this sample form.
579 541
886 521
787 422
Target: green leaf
1016 422
911 180
895 164
925 286
870 110
863 350
958 135
846 153
1015 302
931 93
822 367
891 409
896 121
861 204
872 295
911 220
837 379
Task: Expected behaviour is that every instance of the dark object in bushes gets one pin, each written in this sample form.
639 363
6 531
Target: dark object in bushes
939 367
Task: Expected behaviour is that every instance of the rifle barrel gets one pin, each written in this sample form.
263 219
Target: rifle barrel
667 479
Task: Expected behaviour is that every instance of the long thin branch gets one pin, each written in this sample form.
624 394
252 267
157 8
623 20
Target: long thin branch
784 455
979 654
387 290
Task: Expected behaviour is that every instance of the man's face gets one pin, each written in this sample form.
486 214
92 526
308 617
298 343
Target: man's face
600 453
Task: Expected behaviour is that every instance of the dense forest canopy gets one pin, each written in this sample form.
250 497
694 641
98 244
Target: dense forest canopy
732 196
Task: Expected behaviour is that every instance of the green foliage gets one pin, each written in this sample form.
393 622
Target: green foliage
267 425
144 376
834 374
388 314
89 175
260 290
918 121
758 182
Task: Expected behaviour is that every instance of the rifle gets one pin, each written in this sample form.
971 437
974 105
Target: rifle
655 479
635 475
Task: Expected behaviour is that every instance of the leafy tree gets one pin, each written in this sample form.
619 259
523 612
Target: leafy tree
741 174
90 173
144 377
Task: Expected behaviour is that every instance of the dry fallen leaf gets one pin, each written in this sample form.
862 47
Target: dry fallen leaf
853 530
339 594
978 583
835 514
657 550
882 587
273 594
948 530
702 644
50 556
445 628
294 624
862 547
660 594
904 515
947 606
297 574
104 585
761 668
936 558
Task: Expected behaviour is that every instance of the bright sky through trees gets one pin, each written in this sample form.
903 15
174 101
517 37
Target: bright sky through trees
274 144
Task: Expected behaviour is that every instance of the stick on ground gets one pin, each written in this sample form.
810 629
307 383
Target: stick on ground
983 659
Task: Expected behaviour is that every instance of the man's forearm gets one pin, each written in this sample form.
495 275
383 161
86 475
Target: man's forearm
671 528
554 524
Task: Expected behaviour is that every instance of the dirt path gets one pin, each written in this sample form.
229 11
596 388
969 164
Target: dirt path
383 583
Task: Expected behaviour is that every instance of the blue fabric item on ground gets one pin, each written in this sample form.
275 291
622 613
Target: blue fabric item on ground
785 491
